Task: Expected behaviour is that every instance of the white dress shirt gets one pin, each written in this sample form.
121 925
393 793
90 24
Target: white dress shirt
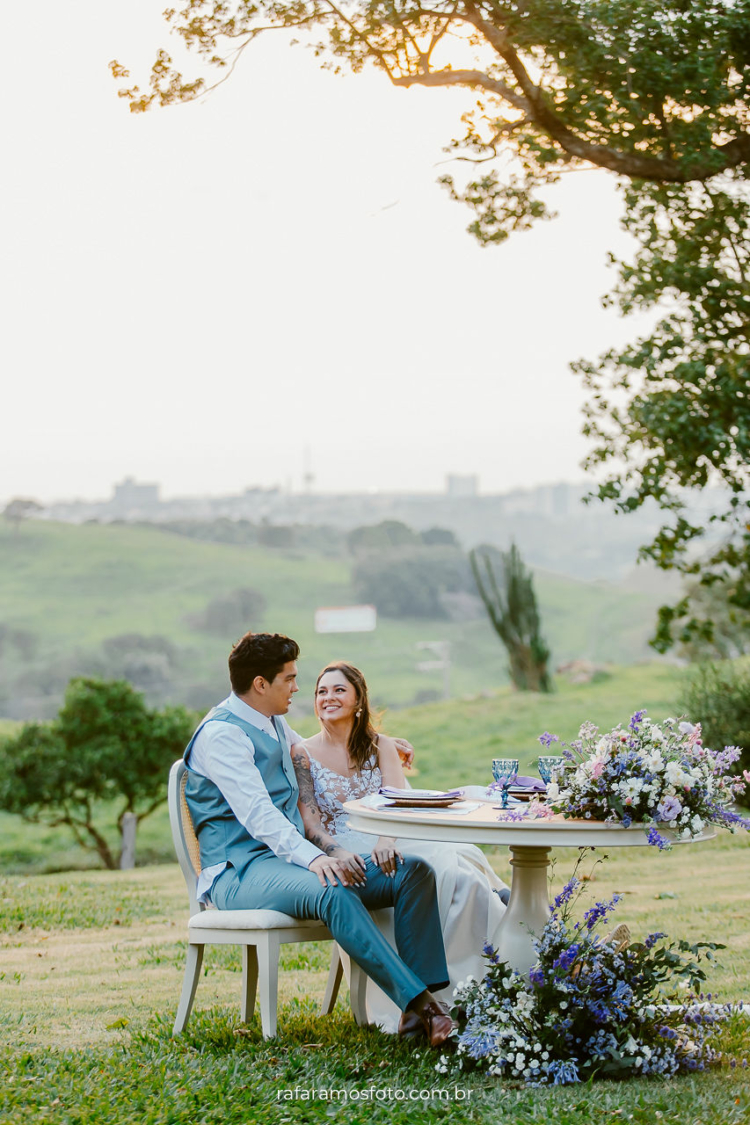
224 754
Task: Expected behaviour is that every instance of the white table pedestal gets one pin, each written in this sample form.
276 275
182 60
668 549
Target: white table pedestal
528 909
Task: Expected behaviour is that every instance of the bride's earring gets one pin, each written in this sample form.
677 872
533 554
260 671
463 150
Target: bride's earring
358 713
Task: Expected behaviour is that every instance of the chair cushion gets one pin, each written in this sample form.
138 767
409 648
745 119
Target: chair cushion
248 920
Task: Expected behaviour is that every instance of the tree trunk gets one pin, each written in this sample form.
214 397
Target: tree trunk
128 828
102 848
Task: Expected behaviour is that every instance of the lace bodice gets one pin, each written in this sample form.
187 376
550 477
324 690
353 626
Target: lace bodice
332 789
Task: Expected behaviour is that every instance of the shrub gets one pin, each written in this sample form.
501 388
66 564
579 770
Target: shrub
412 581
231 613
718 697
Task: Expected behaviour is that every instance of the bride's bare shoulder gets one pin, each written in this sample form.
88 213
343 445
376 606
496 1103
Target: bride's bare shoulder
312 743
386 747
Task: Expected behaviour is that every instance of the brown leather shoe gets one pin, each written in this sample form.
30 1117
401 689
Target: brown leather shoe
410 1025
437 1022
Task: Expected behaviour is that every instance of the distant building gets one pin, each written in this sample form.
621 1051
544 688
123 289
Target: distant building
460 485
129 496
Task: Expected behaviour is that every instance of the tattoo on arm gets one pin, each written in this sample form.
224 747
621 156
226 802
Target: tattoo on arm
305 782
313 831
322 841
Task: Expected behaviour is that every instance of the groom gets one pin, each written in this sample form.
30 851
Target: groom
242 794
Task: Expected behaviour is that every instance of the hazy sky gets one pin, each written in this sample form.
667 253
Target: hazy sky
198 296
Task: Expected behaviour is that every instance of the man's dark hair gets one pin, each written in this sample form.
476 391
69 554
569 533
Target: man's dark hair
259 654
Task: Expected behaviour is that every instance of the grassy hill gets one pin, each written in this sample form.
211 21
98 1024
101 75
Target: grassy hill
455 743
67 590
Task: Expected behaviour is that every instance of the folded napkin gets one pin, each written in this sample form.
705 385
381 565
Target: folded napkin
523 784
394 794
533 783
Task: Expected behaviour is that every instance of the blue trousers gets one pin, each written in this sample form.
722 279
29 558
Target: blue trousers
270 883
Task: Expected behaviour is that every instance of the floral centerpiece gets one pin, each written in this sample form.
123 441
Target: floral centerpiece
588 1006
652 773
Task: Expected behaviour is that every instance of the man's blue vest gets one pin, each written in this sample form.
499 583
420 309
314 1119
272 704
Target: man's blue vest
221 836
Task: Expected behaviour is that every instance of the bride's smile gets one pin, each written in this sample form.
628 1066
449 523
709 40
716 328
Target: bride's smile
335 697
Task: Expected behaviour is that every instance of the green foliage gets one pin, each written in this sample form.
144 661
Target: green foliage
104 745
151 664
411 581
439 537
512 607
381 536
649 91
276 535
20 509
730 635
232 614
718 697
673 406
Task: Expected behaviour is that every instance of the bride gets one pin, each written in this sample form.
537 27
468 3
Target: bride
347 760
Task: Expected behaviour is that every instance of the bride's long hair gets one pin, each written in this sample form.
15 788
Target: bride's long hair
363 737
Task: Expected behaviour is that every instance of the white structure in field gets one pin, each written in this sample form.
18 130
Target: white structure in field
345 619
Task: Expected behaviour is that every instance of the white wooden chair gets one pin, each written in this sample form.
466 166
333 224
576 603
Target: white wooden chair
259 932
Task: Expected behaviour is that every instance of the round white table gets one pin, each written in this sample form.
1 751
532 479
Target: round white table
530 843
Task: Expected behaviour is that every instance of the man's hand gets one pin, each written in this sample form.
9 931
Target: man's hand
343 867
386 855
405 751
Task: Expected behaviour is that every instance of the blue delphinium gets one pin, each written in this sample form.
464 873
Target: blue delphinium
656 839
561 1073
587 1006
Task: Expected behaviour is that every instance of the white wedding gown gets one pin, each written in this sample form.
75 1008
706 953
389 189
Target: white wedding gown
470 911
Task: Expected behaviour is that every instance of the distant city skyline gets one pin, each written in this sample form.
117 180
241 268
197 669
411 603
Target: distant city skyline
269 285
299 488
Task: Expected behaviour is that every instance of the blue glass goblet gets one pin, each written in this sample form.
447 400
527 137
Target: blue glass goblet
504 771
549 767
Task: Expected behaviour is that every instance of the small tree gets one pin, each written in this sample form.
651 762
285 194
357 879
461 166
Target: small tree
511 604
381 536
105 745
20 509
238 610
411 581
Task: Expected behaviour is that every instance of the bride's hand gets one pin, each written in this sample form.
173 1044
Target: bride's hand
386 855
405 752
353 864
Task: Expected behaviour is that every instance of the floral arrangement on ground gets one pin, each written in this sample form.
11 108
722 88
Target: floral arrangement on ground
589 1006
653 773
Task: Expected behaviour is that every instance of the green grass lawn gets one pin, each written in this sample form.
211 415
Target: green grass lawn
90 972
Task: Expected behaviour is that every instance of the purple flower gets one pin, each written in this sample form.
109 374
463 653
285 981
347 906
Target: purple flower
513 816
597 913
656 839
547 739
669 809
636 719
567 892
